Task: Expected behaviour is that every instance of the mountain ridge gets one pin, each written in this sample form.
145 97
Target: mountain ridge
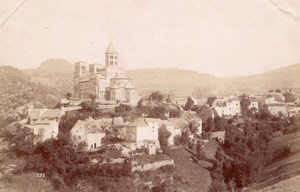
175 81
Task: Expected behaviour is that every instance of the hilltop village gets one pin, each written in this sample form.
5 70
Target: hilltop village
107 135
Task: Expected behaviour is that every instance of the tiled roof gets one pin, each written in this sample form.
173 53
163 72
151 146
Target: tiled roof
121 76
275 105
52 113
220 103
179 123
138 123
36 113
189 115
90 125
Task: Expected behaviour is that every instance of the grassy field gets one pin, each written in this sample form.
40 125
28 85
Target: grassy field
197 176
280 175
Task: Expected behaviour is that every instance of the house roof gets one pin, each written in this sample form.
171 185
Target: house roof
179 123
44 122
36 113
220 104
189 116
276 105
52 113
121 76
154 120
90 125
138 123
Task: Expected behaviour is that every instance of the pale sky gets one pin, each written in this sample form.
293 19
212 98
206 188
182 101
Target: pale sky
223 38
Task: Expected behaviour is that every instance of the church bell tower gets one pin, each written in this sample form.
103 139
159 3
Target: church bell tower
111 55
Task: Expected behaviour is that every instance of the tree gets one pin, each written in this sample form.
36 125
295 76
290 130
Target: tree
175 113
210 100
156 96
163 135
93 98
277 91
189 104
69 95
289 97
245 103
209 125
199 149
158 112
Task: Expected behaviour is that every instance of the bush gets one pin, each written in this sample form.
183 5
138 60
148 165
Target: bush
282 153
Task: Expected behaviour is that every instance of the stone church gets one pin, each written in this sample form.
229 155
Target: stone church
107 82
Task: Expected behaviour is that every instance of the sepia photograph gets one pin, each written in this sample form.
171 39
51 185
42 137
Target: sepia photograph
149 96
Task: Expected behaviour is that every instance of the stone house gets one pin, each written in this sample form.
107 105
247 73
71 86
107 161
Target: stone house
277 108
88 132
45 129
228 107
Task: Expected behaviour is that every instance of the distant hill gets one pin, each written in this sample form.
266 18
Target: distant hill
176 81
54 73
52 67
286 77
185 82
17 89
59 73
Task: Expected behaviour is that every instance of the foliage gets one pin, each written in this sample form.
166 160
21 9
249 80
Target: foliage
189 104
289 97
245 103
156 96
243 155
163 135
17 89
199 150
158 112
21 140
210 100
69 95
175 113
282 153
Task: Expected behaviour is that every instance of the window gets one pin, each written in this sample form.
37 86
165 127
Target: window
115 57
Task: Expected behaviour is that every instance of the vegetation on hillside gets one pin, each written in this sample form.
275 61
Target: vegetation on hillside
16 90
240 160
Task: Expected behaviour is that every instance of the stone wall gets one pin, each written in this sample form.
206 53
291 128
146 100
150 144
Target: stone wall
152 166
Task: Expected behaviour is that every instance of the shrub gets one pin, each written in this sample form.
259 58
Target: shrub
282 153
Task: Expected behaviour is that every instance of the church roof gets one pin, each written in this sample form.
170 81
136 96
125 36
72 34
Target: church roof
111 48
121 76
95 75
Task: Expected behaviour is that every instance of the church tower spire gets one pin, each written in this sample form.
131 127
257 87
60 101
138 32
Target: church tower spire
111 55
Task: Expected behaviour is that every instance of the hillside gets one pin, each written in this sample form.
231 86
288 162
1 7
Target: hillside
176 81
281 175
286 77
57 73
184 82
17 89
51 67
